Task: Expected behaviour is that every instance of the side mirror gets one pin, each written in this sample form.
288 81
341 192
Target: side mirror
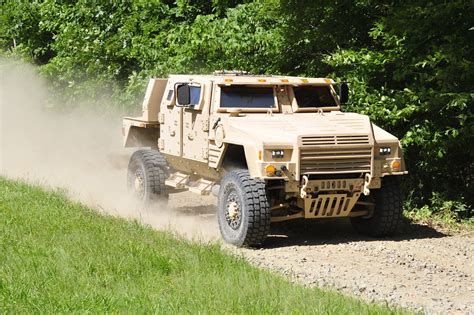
343 92
183 95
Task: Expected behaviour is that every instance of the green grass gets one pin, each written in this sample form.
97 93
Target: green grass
59 256
442 221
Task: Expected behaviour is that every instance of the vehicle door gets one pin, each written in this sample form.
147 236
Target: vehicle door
195 122
170 118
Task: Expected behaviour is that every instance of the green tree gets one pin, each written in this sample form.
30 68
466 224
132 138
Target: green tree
415 78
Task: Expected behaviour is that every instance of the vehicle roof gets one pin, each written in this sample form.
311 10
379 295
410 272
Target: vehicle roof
250 79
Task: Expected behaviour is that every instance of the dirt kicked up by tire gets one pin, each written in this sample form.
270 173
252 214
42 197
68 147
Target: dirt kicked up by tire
243 209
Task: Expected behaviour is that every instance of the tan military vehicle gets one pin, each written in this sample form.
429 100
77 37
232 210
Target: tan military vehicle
271 148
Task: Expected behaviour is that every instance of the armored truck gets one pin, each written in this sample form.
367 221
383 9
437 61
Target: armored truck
270 148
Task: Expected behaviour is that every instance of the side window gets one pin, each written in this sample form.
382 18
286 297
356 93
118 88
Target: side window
188 95
195 94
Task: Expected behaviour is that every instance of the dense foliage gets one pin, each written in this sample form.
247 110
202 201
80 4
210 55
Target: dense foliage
410 63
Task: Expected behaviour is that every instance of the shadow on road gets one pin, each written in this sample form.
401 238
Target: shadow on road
309 232
330 231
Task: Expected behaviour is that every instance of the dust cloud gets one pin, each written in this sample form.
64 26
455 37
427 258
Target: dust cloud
80 150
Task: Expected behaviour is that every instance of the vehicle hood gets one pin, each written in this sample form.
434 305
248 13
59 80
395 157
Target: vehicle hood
284 129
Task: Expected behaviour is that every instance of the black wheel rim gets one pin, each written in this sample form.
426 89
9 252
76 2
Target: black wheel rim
233 210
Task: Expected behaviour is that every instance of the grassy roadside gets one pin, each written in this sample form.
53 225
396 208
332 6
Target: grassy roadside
59 256
445 223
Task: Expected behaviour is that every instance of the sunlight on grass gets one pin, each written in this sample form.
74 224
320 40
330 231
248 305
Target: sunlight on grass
59 256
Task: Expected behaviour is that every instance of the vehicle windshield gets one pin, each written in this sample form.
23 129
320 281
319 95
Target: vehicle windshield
314 96
241 96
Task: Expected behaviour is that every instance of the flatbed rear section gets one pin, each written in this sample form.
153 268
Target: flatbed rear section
144 131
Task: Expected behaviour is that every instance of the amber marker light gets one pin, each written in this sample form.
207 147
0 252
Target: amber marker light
228 80
284 80
396 165
262 80
270 170
260 155
304 80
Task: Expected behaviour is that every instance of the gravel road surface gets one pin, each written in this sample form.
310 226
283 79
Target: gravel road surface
422 269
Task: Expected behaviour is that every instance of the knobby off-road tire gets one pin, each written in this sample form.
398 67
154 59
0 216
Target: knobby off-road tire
388 210
147 171
243 210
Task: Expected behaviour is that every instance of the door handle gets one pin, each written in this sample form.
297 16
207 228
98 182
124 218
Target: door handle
216 123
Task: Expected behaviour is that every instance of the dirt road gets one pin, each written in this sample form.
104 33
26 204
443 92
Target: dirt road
422 269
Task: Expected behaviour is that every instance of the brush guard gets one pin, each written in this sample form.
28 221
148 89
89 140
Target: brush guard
329 205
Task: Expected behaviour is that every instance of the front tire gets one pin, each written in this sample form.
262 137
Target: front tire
147 171
243 209
388 211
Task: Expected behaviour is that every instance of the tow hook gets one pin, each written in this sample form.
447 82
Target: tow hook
303 186
368 179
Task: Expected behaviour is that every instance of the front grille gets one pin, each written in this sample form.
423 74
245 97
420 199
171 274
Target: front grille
334 140
337 160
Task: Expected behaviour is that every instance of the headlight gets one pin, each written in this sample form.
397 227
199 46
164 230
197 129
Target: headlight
278 154
385 151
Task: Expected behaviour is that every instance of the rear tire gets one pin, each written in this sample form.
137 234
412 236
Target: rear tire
147 171
243 210
388 210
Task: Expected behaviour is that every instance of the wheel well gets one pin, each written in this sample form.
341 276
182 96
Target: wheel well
234 157
142 137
